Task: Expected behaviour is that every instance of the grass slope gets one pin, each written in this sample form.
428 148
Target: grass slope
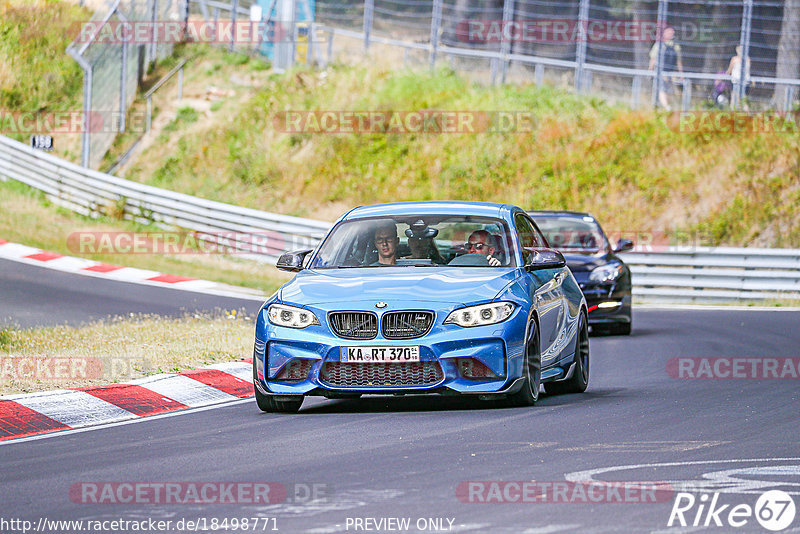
635 170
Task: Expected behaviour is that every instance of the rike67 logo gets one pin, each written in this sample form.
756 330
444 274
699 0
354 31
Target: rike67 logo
774 510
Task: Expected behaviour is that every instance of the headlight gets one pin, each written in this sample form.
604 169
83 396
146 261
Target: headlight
481 315
606 273
291 316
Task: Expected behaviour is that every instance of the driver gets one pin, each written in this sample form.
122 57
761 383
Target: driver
386 242
482 242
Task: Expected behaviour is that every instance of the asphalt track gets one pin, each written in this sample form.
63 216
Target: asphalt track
37 296
396 457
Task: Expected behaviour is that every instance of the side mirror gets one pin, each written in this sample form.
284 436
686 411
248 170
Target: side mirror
624 245
292 261
543 258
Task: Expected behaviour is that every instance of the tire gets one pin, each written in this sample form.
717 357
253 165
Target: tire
580 377
529 394
267 403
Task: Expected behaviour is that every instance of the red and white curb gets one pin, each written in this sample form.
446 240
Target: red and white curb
29 414
83 266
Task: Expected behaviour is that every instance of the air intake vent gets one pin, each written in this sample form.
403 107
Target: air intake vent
345 374
406 324
354 325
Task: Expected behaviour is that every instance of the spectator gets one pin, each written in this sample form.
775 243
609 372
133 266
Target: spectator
735 70
670 62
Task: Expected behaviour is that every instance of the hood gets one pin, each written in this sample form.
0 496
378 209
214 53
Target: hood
444 285
585 261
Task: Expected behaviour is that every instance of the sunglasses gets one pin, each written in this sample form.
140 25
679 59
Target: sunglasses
476 246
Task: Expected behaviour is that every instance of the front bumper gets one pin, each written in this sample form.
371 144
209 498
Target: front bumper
607 303
498 347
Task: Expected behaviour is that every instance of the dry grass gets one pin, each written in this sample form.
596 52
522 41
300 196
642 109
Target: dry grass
27 217
119 349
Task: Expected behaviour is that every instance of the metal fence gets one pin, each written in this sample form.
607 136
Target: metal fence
601 46
94 193
698 274
705 274
113 69
593 53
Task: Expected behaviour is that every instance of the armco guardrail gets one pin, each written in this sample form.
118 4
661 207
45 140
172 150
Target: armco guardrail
705 274
677 274
91 192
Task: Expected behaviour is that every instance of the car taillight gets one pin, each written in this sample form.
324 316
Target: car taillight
473 369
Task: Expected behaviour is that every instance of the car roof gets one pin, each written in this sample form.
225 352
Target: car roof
556 213
433 207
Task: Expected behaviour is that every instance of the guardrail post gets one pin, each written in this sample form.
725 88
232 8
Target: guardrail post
744 42
538 74
123 86
369 10
580 48
149 117
436 22
234 14
686 101
660 24
310 49
87 116
636 91
505 44
330 46
215 35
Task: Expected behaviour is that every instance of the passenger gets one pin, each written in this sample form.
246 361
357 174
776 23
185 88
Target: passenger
425 248
482 242
386 242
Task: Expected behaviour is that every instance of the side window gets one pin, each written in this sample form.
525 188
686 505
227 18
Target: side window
540 237
528 237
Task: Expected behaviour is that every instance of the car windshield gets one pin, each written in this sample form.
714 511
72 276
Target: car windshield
417 241
572 232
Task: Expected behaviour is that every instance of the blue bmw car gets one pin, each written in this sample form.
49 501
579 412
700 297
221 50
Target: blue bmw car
453 298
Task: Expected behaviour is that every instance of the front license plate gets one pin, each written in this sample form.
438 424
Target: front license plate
380 354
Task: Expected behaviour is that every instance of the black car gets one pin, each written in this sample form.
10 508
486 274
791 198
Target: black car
601 274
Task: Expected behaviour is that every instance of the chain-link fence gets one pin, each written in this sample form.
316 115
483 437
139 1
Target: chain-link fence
609 47
738 54
114 67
